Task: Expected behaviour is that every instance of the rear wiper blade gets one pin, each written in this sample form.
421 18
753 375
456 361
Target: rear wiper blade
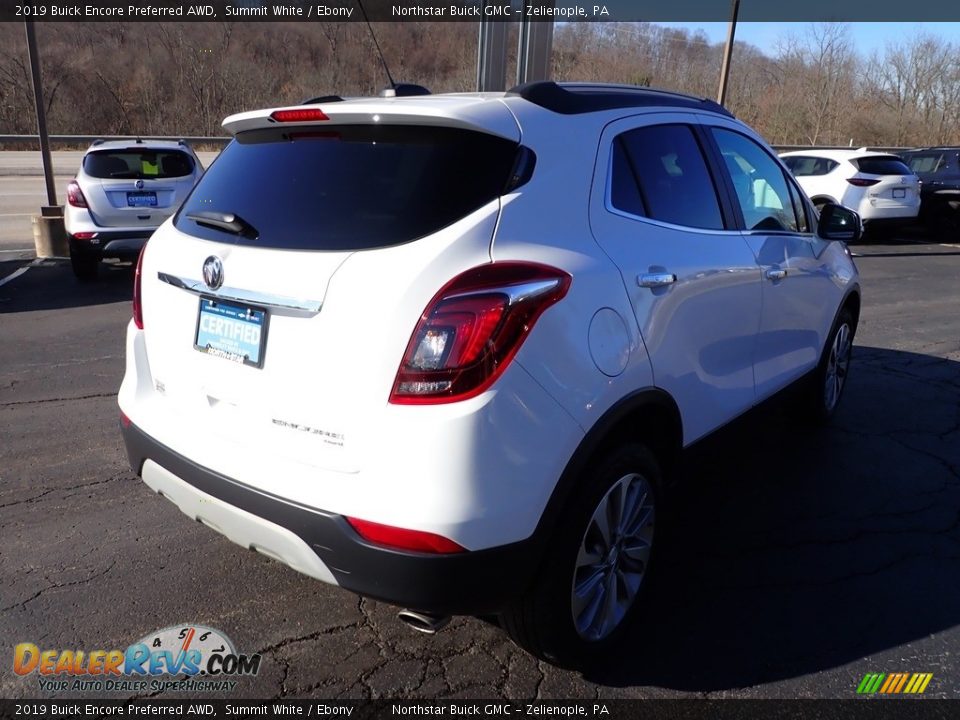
228 222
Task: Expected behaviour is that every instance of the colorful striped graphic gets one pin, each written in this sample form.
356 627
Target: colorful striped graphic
894 683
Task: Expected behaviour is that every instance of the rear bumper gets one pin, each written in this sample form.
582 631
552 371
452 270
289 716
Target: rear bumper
111 243
872 213
323 544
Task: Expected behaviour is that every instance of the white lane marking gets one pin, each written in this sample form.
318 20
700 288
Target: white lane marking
23 250
17 273
15 214
14 275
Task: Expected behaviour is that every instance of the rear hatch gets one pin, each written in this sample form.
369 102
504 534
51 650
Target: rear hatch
328 242
888 181
135 186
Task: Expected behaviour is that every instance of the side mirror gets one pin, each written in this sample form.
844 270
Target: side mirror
839 223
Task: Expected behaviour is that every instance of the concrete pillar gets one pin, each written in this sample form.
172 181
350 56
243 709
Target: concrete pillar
49 235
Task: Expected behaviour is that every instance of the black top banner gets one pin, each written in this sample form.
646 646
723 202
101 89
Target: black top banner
498 10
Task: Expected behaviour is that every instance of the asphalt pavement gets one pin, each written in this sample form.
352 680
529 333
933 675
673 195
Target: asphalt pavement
794 561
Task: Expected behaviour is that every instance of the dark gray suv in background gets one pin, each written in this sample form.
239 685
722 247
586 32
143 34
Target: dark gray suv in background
939 172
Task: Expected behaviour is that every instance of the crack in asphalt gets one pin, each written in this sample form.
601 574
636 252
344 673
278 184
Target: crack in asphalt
63 489
304 638
59 399
378 641
884 365
539 683
56 586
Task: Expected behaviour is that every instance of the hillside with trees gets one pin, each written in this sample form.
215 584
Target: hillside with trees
182 79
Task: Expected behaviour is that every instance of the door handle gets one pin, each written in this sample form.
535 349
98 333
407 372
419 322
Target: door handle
655 280
776 274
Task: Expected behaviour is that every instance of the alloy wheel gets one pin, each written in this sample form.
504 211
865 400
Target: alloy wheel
838 363
613 557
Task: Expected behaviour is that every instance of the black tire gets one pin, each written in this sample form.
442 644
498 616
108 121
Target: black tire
818 405
84 268
542 620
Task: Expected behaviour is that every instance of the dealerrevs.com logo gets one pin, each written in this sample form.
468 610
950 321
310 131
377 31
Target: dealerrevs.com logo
182 657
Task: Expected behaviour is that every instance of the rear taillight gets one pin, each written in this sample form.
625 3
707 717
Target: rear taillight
137 301
862 182
404 539
84 235
75 195
299 115
472 329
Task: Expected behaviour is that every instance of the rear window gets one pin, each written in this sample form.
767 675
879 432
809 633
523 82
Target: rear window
882 165
350 188
137 163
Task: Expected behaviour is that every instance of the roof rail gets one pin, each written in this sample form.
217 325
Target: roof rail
577 98
99 141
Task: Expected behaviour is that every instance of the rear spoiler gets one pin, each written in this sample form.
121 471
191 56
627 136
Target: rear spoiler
475 113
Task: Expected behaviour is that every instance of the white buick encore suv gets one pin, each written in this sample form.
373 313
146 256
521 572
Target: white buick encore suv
442 350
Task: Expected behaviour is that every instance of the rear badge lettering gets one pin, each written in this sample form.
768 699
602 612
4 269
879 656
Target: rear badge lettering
331 438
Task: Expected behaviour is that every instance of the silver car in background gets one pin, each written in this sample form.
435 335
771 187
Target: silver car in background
123 191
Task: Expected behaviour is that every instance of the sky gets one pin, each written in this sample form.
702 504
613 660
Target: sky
867 36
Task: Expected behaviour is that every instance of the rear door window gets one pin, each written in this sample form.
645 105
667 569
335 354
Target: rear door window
671 177
352 187
137 163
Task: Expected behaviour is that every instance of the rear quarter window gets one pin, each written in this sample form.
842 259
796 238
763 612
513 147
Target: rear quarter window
352 187
807 166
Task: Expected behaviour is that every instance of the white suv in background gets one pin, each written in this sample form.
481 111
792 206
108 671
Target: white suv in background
878 186
123 191
442 350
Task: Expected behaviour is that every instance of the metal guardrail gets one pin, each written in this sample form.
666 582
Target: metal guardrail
87 139
210 140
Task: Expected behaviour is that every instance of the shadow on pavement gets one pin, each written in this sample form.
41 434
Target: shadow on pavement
788 551
50 285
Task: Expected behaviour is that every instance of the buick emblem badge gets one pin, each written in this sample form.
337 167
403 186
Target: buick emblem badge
139 184
213 272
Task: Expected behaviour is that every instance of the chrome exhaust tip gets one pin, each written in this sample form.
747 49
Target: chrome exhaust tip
423 622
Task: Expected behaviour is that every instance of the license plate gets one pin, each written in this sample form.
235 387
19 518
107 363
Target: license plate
141 199
899 192
231 331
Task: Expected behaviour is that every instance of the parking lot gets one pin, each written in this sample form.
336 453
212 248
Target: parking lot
794 561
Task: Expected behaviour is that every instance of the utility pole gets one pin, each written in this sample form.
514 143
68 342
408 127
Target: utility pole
41 112
492 55
728 53
534 51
